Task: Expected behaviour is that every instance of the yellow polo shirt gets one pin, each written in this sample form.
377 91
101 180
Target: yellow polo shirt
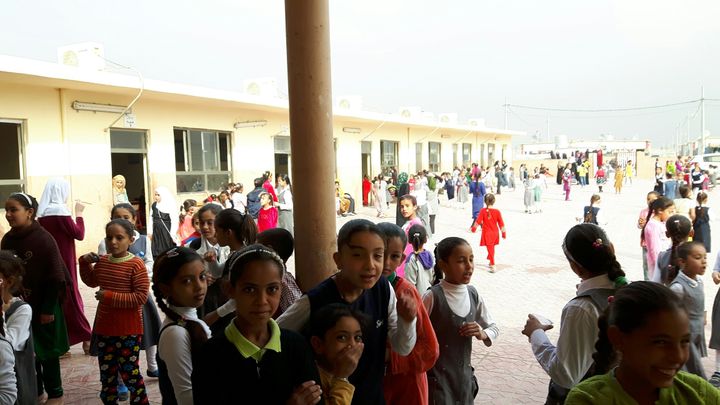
247 348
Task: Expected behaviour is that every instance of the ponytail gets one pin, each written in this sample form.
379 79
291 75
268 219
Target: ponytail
437 272
197 333
678 228
418 236
605 357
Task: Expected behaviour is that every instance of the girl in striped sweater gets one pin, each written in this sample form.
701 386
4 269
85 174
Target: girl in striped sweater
124 286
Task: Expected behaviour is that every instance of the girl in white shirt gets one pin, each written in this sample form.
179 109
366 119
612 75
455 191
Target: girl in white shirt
179 285
16 329
592 258
457 313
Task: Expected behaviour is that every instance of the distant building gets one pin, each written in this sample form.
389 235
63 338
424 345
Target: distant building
54 121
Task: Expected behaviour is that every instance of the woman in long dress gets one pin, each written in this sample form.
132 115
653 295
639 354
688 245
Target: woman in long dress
55 217
379 193
164 221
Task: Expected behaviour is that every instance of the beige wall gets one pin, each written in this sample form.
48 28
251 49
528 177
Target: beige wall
60 141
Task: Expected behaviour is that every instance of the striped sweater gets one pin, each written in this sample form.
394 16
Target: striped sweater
125 284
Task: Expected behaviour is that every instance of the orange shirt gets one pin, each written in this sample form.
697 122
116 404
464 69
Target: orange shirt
126 285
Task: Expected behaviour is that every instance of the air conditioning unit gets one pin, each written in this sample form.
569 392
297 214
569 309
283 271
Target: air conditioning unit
448 118
352 103
411 113
262 87
85 55
476 122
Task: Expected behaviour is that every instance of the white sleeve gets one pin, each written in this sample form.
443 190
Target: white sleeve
678 289
427 300
483 317
295 317
288 201
102 250
227 308
402 333
569 361
174 349
17 327
148 258
8 382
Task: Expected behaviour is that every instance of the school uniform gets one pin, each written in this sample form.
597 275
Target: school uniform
379 304
702 226
176 358
214 296
8 381
691 291
452 379
232 370
19 333
568 362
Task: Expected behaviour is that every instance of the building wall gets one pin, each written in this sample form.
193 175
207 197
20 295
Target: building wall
60 141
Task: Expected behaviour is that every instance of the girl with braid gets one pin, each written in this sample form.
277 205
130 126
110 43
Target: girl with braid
592 258
679 230
179 285
643 342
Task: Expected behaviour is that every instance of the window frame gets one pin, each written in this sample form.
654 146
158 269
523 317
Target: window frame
187 157
22 181
434 166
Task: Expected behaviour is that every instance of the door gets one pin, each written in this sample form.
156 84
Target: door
366 158
128 156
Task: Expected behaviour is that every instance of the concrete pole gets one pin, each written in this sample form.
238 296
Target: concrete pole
311 141
702 121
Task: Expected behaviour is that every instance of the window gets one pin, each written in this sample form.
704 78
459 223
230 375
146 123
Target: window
434 156
467 154
202 160
389 156
12 177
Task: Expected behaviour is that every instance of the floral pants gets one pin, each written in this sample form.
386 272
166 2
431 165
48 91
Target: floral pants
119 355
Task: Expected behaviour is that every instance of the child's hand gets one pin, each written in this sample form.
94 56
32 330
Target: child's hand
210 256
504 235
91 257
46 318
306 394
716 277
347 360
79 208
473 329
532 325
406 307
99 295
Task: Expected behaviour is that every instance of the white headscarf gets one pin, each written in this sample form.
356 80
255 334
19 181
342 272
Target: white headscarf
168 205
54 198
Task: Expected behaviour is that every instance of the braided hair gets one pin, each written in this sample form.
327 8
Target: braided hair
166 267
678 228
629 310
588 246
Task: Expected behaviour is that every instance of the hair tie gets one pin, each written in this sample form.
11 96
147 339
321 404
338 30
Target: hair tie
416 234
598 243
172 252
620 281
611 299
27 197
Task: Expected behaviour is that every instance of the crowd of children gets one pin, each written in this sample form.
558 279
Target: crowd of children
394 324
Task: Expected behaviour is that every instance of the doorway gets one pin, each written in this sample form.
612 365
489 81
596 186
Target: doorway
282 156
128 156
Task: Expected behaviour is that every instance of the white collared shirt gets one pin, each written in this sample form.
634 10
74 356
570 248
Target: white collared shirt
174 348
567 362
679 289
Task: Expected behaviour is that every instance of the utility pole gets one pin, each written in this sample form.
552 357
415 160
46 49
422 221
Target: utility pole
548 127
702 121
507 108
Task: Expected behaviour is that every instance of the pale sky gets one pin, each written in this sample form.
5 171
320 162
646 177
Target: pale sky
454 56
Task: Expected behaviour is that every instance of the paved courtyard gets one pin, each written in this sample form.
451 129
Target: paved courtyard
532 277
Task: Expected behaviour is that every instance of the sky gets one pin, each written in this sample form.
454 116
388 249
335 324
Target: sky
460 56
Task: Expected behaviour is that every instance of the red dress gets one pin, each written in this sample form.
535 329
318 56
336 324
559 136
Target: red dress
65 231
405 379
267 218
491 222
366 188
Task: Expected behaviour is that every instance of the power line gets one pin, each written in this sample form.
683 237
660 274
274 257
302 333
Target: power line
594 110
